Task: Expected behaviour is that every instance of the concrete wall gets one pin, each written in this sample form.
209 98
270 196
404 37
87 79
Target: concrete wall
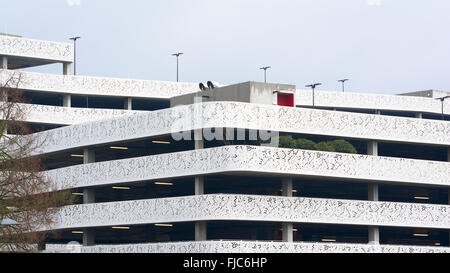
262 93
249 92
427 94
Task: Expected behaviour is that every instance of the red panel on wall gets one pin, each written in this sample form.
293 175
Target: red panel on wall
286 99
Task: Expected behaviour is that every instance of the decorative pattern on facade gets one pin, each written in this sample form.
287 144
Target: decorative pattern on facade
253 159
371 101
69 115
95 86
253 208
249 247
38 49
249 116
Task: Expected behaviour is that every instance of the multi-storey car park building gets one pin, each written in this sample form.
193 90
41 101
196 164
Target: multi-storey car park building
150 178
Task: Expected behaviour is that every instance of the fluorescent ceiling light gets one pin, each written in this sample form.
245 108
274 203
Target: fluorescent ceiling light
437 244
118 148
164 225
164 183
77 193
77 232
328 240
121 188
120 227
160 142
420 234
76 155
422 197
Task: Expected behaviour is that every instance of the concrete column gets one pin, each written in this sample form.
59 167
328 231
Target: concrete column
88 197
200 226
373 192
374 236
288 232
3 95
200 231
88 194
199 185
3 62
41 246
372 148
128 104
418 115
288 228
88 237
287 187
67 100
67 68
88 156
198 139
377 112
374 232
199 180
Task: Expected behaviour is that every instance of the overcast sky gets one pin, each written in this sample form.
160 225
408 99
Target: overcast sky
383 46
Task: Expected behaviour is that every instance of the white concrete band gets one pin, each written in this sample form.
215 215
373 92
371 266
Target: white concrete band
233 207
36 49
254 160
349 100
248 247
248 116
97 86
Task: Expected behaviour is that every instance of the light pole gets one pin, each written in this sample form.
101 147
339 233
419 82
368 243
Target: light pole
313 86
177 55
343 84
74 39
265 72
442 104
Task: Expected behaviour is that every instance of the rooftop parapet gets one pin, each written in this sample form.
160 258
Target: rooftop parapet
427 94
402 103
22 52
98 86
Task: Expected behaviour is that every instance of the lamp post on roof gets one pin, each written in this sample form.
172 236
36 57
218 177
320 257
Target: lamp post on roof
74 39
265 72
313 86
177 55
442 104
343 83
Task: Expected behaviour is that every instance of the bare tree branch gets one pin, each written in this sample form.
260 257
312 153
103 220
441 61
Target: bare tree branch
24 192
